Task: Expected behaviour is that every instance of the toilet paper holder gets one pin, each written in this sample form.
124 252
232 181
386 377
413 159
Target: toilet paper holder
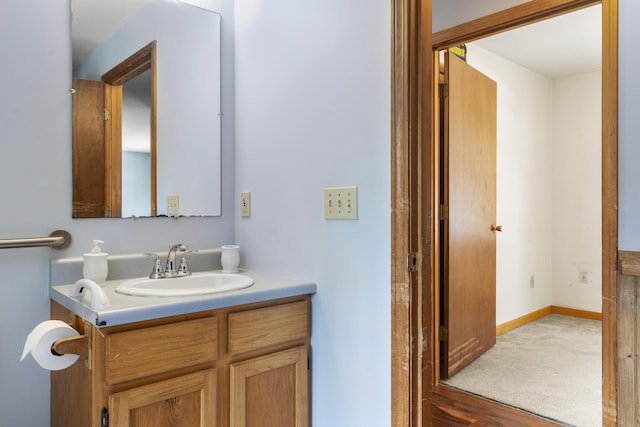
73 345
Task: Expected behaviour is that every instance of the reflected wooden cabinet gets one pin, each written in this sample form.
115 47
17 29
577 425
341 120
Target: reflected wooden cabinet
243 366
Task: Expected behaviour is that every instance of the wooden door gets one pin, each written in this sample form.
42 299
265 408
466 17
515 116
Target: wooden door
469 213
88 149
271 390
185 401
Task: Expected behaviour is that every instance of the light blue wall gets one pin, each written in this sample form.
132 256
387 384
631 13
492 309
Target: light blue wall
188 120
629 127
448 13
313 111
136 188
328 95
316 115
35 172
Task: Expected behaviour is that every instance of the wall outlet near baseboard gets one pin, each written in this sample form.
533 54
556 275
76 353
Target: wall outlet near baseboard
583 277
532 281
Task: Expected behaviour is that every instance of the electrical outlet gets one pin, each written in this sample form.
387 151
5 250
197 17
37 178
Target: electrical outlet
245 204
584 277
341 203
173 205
532 281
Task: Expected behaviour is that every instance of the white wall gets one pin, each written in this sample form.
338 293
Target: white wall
35 169
313 111
549 187
577 191
524 184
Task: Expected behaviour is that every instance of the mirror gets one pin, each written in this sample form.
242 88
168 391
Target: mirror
149 144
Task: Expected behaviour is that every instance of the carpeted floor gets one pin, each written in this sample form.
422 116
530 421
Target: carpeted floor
551 367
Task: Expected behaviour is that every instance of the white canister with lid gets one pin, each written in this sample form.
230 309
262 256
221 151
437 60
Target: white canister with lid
230 258
95 265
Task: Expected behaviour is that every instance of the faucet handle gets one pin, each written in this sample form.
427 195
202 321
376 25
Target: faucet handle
156 273
183 268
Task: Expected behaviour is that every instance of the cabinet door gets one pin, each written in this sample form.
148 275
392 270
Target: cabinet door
271 390
186 401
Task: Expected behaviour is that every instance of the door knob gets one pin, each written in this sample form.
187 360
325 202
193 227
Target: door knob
495 228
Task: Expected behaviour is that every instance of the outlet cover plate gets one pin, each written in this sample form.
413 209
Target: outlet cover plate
245 204
341 203
173 205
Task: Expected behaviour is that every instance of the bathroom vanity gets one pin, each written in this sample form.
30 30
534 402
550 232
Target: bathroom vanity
232 359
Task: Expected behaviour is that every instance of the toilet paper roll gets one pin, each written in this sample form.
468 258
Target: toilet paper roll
40 340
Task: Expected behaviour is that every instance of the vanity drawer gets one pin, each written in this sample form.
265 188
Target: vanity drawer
269 326
154 350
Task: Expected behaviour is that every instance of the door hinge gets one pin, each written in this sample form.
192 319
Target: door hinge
443 333
412 261
443 212
443 90
104 417
107 114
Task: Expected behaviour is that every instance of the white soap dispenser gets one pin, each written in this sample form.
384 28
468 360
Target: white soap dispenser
95 265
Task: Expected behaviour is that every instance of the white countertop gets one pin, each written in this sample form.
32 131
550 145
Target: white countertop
127 309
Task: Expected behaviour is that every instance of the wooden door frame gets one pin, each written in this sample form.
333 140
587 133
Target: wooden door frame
137 63
413 195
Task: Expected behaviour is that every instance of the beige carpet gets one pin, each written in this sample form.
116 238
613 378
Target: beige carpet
550 367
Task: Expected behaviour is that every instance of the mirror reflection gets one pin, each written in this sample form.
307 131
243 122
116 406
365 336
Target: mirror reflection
146 109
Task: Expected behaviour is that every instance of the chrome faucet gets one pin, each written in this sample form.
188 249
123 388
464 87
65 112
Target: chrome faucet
170 269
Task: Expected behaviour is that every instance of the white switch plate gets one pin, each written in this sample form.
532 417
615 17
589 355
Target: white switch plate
173 205
245 204
341 203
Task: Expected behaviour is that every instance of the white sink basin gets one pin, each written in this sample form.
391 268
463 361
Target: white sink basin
196 284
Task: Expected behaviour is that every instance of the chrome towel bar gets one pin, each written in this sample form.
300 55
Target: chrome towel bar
59 239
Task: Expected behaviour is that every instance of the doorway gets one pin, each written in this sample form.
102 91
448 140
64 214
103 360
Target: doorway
535 221
418 400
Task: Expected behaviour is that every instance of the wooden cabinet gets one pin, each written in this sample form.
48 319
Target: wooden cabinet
272 387
185 401
271 390
243 366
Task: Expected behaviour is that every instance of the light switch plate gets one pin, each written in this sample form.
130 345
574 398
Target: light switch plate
341 203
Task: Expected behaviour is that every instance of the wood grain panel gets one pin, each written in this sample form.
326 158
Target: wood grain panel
455 408
269 326
583 314
277 384
627 362
72 381
271 398
469 176
185 401
143 352
629 263
609 211
412 210
88 149
522 320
